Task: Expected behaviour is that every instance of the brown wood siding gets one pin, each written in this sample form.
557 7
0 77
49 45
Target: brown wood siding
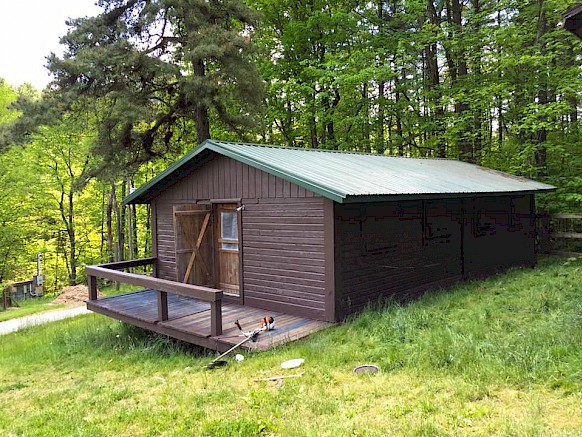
400 248
498 233
390 249
166 249
283 256
283 265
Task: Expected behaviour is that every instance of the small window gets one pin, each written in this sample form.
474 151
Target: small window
229 230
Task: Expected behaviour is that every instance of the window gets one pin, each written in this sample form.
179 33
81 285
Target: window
229 230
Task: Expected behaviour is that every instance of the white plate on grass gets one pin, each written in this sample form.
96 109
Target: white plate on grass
291 364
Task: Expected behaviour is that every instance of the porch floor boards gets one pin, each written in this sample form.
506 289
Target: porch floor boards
189 320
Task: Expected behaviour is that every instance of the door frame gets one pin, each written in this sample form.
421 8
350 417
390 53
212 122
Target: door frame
215 220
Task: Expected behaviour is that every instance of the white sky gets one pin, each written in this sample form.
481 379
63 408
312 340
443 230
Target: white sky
29 31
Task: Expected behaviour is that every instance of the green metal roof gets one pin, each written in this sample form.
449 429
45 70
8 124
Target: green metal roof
347 177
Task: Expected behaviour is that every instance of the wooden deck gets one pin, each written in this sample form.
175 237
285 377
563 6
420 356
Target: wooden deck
189 320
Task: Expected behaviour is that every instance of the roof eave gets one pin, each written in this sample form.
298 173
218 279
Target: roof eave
144 194
289 177
428 196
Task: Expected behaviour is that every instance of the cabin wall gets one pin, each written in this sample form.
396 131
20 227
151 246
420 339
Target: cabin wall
499 232
396 249
282 234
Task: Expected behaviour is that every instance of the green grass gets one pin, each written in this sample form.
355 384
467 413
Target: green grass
30 306
496 357
41 304
111 290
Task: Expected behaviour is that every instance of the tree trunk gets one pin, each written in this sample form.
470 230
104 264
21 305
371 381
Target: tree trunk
381 116
399 133
542 97
201 117
381 90
458 72
72 239
119 247
433 82
109 222
103 239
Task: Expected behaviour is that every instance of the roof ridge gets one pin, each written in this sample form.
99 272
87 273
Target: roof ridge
331 151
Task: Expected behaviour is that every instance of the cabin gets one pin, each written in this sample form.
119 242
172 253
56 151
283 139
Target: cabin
241 231
573 20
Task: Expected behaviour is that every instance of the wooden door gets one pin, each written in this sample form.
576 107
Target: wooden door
227 232
193 239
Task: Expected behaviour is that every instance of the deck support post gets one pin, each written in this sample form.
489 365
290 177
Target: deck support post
162 306
92 285
216 318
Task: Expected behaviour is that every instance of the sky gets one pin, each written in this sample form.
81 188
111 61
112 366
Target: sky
29 31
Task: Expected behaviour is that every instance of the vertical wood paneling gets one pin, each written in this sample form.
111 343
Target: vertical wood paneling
246 188
239 179
286 188
215 188
258 180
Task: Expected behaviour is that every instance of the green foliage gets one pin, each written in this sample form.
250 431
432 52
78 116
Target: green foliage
7 96
496 83
154 67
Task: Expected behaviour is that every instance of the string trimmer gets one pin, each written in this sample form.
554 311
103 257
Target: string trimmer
267 324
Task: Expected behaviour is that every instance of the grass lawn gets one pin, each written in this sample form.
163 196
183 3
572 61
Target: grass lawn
501 356
30 306
41 304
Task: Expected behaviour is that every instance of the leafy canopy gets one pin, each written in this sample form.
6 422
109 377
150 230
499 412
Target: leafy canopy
151 69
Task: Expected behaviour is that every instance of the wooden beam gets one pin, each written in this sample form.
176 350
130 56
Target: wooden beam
566 254
188 290
120 265
162 306
92 285
566 216
216 318
190 212
161 328
568 235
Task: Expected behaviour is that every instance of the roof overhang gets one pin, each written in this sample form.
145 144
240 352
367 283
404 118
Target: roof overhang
430 196
211 148
573 20
204 153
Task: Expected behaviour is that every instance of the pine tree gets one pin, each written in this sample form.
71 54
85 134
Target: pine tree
153 68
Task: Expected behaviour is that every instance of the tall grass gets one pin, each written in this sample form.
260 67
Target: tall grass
494 357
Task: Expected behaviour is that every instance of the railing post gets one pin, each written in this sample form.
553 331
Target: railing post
92 285
216 318
162 305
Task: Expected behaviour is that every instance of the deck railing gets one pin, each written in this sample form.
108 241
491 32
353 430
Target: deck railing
112 272
560 234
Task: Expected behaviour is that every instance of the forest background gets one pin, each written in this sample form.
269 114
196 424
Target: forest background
492 82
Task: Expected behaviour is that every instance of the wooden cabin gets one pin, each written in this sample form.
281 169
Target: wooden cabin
312 236
573 20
